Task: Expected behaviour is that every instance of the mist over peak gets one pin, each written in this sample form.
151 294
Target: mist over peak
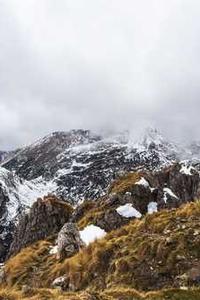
105 66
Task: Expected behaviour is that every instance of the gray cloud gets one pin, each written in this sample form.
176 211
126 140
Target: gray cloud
102 65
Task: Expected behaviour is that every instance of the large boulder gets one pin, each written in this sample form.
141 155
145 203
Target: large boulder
69 241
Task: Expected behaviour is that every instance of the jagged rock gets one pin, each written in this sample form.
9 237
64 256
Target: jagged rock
184 186
167 188
110 220
69 241
45 218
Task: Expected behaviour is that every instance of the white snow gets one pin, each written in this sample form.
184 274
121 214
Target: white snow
80 165
143 182
128 211
22 193
186 170
168 191
152 207
91 233
59 281
53 250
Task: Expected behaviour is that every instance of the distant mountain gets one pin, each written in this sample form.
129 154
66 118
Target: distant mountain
80 165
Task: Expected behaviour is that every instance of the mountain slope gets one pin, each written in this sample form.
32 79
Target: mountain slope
78 165
159 251
81 164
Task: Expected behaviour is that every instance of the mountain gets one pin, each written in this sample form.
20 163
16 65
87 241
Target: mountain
135 193
80 164
4 155
131 196
74 166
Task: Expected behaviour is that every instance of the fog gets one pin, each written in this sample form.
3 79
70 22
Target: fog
102 65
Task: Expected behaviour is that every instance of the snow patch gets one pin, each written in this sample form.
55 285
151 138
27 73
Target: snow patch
187 170
22 193
152 207
143 182
53 250
168 191
58 281
128 211
91 233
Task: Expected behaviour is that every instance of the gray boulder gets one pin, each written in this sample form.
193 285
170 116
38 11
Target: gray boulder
69 241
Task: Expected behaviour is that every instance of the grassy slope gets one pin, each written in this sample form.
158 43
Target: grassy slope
110 294
163 246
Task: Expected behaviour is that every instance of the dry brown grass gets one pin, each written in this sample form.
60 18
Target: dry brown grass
117 293
124 183
124 257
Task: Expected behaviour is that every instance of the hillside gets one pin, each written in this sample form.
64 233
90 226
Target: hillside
160 251
138 199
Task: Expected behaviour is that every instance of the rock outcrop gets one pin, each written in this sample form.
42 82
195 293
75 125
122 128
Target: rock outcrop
141 193
45 218
69 241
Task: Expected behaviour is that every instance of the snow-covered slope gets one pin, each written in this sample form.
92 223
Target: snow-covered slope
16 196
80 164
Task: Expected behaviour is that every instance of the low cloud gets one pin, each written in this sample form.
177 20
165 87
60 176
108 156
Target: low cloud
102 65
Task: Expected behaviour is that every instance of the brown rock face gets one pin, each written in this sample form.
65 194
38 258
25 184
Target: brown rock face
46 217
69 241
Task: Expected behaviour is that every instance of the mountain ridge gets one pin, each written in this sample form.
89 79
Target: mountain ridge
75 166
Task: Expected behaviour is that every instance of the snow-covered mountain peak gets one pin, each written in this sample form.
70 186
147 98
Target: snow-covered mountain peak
62 139
152 136
149 138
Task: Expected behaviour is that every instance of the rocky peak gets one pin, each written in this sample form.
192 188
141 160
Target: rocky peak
46 217
40 158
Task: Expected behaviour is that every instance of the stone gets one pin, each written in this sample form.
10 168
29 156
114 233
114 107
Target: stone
69 241
61 283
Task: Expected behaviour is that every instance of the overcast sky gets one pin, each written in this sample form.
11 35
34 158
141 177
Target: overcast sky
98 64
